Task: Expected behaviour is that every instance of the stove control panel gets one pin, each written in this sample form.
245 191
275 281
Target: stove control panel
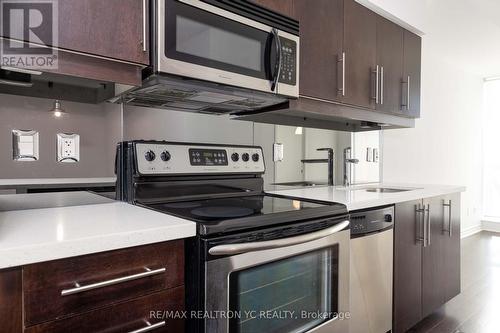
172 158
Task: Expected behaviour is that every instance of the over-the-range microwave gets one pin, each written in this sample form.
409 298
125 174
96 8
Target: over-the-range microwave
219 56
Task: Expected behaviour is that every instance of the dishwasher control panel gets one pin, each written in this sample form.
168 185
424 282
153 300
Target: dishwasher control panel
368 221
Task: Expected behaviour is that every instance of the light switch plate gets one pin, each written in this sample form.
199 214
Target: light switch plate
369 154
68 147
277 152
25 145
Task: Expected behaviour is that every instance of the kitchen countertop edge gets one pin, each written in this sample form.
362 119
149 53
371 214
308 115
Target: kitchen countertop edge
44 245
365 200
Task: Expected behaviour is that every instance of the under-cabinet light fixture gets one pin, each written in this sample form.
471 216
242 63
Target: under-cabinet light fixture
57 110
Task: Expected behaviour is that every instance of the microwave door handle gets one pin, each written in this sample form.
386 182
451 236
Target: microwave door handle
231 249
277 68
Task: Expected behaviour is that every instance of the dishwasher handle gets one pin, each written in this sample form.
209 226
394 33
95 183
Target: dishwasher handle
231 249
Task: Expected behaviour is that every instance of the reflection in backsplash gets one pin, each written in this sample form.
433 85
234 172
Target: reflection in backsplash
303 144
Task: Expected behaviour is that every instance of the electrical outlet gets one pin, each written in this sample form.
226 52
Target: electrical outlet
68 147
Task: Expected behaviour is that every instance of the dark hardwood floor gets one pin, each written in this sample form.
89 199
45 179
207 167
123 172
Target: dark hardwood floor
477 308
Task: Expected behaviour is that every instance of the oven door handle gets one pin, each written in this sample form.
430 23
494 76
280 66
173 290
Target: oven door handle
230 249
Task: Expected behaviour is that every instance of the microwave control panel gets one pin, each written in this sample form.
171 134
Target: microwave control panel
288 72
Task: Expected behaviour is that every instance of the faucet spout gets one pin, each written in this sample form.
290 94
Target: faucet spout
330 160
348 163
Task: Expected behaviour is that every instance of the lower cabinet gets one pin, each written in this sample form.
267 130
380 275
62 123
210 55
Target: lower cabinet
11 301
131 316
126 290
426 257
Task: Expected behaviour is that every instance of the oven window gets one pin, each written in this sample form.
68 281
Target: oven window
289 295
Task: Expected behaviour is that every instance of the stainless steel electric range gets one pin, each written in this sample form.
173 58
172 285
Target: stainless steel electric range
259 263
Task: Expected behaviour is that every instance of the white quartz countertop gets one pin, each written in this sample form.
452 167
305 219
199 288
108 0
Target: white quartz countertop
356 197
55 181
43 234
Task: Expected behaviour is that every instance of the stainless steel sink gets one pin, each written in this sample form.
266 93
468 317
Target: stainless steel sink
302 183
387 189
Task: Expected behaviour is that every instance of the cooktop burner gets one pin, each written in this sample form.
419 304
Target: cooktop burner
224 214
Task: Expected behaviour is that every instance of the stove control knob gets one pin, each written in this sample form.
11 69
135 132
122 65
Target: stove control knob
255 157
235 157
150 156
245 157
165 156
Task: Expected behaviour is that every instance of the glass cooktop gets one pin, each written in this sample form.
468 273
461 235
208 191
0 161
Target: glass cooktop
248 211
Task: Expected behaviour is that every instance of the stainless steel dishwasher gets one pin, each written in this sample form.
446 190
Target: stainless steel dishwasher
371 270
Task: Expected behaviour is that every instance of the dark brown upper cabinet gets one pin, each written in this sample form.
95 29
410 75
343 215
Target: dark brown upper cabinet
411 74
360 47
114 29
321 56
105 41
390 65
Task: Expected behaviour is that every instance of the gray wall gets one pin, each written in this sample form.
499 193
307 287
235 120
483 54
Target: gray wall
98 126
102 126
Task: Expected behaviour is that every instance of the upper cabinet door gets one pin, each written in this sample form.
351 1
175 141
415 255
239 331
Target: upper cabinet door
112 28
360 45
411 74
390 61
321 61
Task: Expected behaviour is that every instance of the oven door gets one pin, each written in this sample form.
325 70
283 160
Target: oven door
201 41
299 287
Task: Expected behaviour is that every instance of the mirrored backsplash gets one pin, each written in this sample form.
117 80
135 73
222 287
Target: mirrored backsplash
305 157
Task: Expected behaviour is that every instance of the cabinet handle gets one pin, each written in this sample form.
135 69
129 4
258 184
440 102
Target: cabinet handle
342 60
376 72
78 288
407 104
144 26
419 225
448 205
408 94
149 327
428 222
382 85
16 83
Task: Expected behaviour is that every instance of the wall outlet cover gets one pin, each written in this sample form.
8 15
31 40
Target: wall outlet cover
25 145
68 147
369 154
277 152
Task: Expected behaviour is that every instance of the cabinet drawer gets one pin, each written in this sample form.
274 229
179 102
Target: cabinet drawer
123 317
65 287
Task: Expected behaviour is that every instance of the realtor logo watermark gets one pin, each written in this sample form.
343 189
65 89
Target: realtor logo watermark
28 30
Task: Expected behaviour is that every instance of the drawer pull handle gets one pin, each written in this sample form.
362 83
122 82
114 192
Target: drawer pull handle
149 327
79 288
